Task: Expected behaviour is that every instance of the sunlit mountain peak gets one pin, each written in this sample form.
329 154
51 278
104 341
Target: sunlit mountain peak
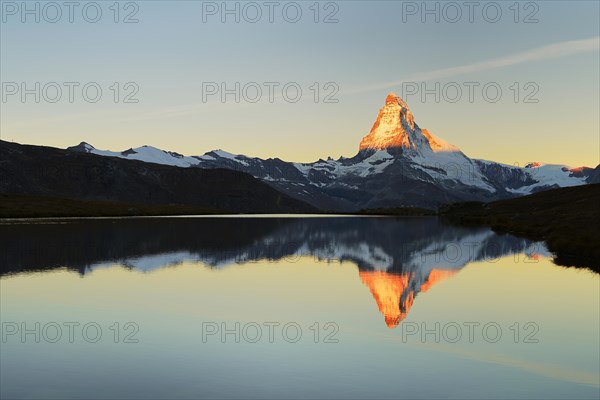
395 127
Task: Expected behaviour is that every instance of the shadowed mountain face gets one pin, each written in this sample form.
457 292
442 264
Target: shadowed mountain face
46 171
396 258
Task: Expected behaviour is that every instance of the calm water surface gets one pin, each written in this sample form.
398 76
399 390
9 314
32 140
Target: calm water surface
333 307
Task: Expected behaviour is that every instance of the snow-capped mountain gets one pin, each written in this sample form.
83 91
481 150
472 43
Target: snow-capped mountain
398 164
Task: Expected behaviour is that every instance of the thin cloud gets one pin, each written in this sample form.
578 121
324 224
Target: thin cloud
556 50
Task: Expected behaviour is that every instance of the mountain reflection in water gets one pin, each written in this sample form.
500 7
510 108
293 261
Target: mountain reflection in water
397 258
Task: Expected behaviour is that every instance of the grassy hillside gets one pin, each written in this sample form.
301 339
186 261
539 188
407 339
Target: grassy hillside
20 206
567 219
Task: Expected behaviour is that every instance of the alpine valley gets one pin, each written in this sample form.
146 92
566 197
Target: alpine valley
398 165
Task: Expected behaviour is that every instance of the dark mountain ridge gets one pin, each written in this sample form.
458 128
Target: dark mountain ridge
47 171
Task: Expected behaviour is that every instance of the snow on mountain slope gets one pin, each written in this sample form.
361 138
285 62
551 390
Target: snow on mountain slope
145 153
533 177
374 163
397 163
550 175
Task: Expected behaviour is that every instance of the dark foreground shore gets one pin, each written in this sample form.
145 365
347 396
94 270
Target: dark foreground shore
19 206
567 219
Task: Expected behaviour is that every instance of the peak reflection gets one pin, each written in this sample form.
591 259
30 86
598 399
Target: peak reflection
397 258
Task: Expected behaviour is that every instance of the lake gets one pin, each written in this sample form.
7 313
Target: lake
290 307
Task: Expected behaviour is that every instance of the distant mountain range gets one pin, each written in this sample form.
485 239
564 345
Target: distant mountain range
398 164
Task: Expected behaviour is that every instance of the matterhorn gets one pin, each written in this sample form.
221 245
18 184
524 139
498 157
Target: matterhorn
398 164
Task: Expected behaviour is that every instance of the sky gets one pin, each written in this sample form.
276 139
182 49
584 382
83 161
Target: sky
504 81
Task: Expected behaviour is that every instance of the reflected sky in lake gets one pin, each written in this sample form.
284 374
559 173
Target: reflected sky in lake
341 283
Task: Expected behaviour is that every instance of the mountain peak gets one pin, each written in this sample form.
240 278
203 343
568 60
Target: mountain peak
395 127
391 98
82 147
392 128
